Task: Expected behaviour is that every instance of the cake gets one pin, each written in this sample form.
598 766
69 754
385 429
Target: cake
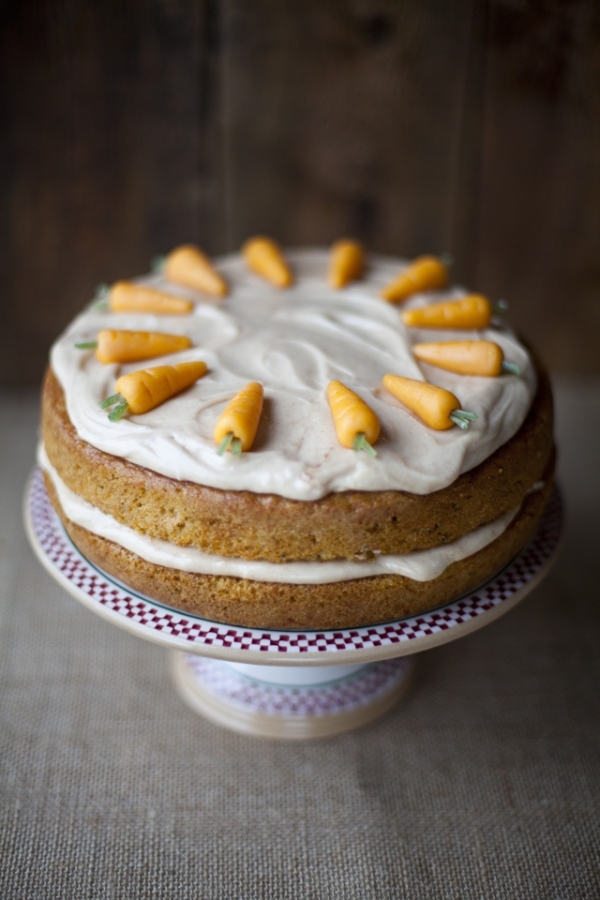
299 531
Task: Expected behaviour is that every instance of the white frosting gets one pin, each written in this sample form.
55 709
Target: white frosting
423 565
294 342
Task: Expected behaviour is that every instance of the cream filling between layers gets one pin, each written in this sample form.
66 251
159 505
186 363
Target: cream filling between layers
294 342
422 565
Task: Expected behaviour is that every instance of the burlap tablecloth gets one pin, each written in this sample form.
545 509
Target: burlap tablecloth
484 783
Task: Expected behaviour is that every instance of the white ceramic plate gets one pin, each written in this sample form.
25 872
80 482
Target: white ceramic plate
166 626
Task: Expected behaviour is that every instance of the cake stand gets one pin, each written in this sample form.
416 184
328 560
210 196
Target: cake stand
295 684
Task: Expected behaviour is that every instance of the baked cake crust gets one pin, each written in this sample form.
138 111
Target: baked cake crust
345 604
348 525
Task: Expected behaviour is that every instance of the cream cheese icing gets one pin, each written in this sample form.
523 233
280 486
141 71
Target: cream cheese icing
422 565
294 342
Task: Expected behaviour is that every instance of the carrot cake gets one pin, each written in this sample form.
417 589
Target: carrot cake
298 530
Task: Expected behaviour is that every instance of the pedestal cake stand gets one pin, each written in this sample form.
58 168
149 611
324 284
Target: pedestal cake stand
296 684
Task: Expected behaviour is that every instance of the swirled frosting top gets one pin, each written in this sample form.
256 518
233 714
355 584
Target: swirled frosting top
294 342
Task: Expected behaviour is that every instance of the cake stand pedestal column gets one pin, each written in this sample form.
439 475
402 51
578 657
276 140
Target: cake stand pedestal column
290 702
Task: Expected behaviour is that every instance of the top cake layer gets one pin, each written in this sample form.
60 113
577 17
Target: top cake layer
294 342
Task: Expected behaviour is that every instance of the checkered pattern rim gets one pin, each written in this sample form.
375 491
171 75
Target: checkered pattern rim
359 689
154 619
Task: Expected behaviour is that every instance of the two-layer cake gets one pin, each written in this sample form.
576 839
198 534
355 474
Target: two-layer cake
299 531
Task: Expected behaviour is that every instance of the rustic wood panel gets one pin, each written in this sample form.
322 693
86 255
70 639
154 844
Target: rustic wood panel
111 154
540 214
350 118
472 127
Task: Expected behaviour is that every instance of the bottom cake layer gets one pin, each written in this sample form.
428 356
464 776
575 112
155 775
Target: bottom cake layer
345 604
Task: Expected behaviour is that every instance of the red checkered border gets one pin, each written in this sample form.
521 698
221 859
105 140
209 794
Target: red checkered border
363 687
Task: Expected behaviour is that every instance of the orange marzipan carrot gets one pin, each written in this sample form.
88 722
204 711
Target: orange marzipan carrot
125 296
472 312
113 346
352 418
346 263
426 273
264 257
143 390
435 406
189 265
464 357
238 423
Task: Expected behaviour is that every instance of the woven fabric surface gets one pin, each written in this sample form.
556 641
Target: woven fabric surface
483 783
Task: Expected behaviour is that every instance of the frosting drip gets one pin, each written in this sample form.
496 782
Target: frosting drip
294 342
423 565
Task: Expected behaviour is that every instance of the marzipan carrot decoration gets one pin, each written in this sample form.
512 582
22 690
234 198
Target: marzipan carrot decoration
438 408
143 390
238 423
346 263
356 424
264 257
467 357
190 266
125 296
131 346
471 312
426 273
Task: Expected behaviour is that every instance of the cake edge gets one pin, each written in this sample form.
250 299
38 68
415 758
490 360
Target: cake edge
346 604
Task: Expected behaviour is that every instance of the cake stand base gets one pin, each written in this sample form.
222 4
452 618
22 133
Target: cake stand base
290 702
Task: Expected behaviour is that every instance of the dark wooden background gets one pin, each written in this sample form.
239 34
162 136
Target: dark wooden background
470 126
